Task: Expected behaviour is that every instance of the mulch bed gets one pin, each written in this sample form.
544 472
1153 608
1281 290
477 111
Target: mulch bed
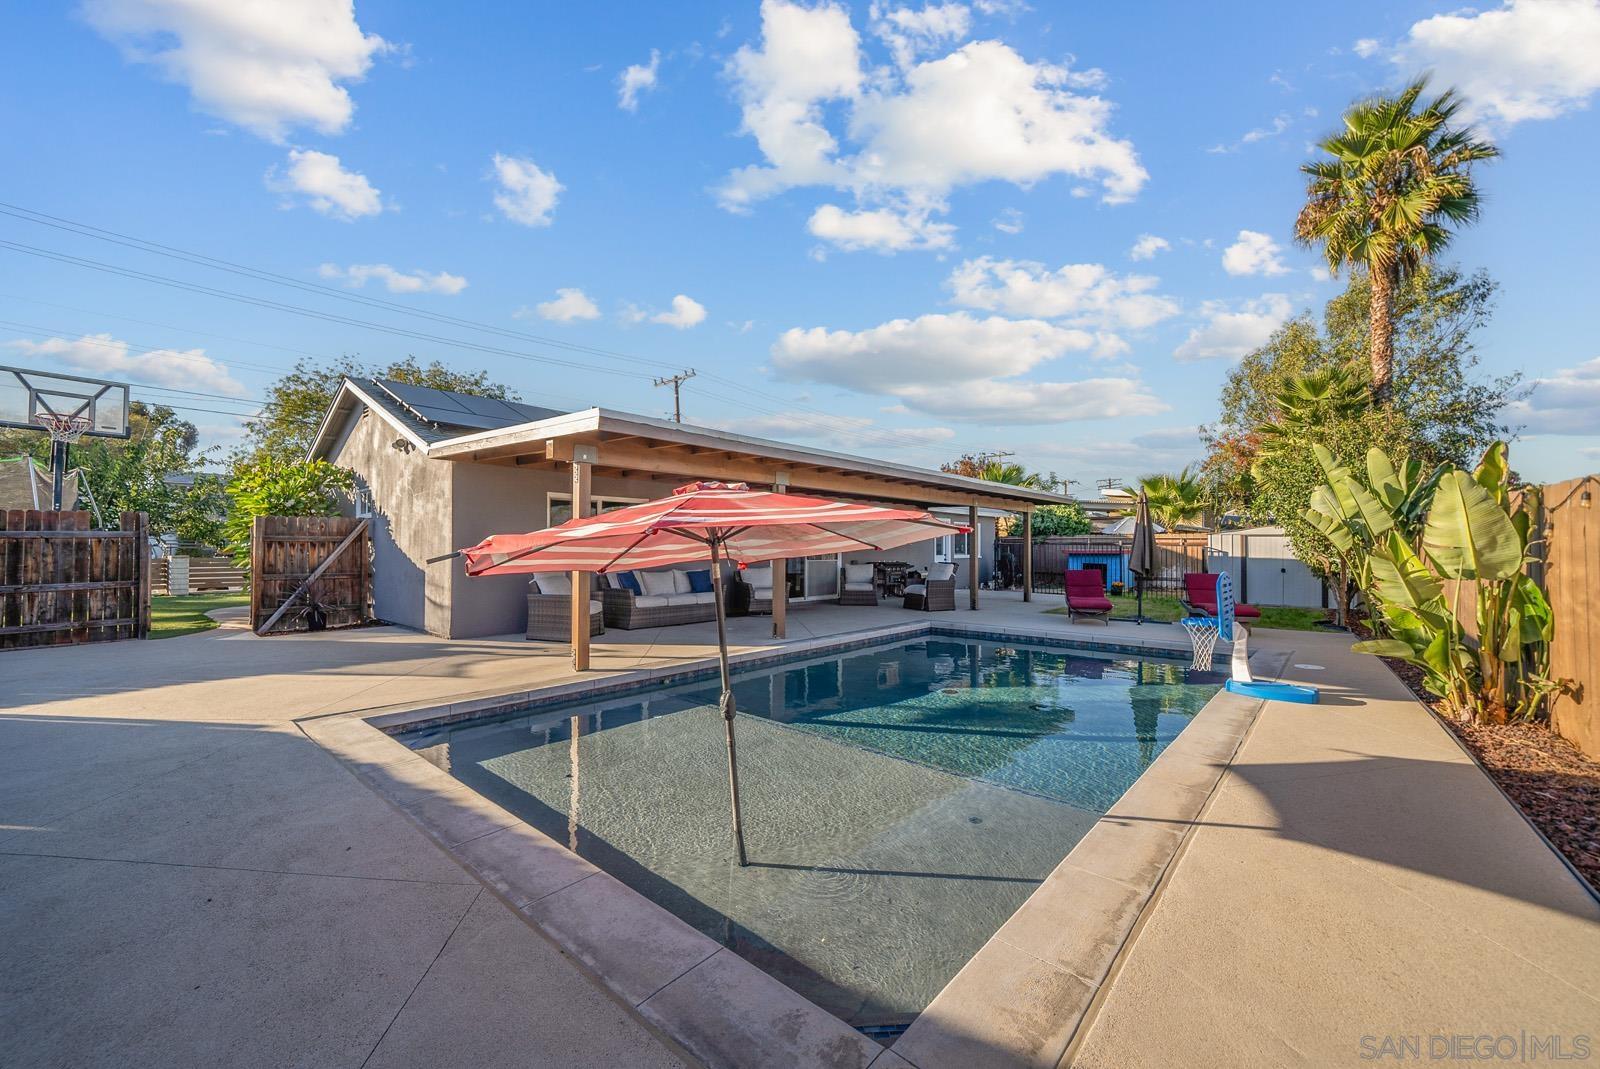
1553 782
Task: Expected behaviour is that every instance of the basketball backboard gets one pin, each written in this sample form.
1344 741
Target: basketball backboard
26 395
1225 610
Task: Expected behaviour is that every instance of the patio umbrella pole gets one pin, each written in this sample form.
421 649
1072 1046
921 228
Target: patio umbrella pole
727 700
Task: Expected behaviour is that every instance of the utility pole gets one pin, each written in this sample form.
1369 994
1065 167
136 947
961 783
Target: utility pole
998 454
676 382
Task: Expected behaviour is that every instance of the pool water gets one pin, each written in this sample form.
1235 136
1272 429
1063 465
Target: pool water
900 801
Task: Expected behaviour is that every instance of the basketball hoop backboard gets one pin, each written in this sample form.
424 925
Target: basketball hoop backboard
31 399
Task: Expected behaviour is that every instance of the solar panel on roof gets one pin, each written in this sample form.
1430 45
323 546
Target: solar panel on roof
452 409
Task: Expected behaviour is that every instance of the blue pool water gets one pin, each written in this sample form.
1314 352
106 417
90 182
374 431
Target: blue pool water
900 801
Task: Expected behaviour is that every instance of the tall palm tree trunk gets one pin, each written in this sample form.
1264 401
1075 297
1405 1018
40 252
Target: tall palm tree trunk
1380 331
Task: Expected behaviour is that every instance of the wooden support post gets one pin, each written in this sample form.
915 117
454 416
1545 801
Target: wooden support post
1027 555
780 585
972 555
580 580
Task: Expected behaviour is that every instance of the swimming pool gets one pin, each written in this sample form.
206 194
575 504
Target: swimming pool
900 800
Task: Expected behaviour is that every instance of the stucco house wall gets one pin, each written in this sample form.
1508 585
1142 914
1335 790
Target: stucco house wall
411 521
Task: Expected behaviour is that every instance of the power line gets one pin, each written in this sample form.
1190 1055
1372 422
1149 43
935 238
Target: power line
676 382
141 244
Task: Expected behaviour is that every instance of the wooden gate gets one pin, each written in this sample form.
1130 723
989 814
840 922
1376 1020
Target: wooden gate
300 561
62 582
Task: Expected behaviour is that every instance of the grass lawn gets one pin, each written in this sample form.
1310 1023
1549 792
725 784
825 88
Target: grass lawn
171 617
1167 610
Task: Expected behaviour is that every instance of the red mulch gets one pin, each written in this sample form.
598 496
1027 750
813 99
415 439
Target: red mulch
1552 781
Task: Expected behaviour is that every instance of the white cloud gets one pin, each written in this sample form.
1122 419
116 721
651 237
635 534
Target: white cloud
324 183
1163 449
1229 332
357 275
918 131
1010 402
825 427
637 79
104 355
1526 59
1321 274
686 312
909 33
1009 221
526 194
1567 402
955 348
1254 253
269 67
879 229
569 305
1147 246
1366 47
1086 295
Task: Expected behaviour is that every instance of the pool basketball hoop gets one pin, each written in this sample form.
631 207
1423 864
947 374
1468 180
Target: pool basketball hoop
1240 681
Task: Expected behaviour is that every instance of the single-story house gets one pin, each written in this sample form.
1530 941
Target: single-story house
437 471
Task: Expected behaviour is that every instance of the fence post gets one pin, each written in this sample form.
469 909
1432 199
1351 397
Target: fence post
1027 555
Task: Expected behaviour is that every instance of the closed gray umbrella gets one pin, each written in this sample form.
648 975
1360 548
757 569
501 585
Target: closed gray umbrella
1142 558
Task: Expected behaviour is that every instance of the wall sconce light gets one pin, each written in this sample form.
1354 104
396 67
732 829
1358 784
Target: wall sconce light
402 445
1585 499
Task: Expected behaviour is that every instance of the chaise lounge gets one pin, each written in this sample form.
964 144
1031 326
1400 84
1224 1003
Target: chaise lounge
1200 597
1086 595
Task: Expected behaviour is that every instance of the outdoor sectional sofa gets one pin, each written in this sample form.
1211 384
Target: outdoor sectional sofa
661 597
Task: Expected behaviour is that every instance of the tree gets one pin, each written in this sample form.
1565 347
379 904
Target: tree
994 471
1175 497
146 472
297 402
1398 177
273 486
1061 520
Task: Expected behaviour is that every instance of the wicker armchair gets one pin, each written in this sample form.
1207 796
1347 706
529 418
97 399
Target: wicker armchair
934 594
550 617
750 591
857 585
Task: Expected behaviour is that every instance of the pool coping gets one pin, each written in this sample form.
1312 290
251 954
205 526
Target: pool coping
1020 1000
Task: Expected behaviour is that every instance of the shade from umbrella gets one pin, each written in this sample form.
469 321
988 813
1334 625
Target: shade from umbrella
707 522
1142 557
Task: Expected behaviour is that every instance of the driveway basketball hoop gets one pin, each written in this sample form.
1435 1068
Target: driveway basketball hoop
66 407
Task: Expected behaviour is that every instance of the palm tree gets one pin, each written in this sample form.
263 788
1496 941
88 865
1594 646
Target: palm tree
1312 400
1400 174
1175 498
1011 474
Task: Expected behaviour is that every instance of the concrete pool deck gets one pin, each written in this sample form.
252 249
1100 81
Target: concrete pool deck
186 879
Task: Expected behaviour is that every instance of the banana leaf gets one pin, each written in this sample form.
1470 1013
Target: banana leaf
1387 483
1385 647
1492 471
1400 578
1468 535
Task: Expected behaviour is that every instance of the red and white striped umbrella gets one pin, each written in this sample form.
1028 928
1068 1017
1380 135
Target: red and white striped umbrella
707 521
748 526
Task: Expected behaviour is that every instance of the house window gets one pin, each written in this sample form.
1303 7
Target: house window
361 497
560 506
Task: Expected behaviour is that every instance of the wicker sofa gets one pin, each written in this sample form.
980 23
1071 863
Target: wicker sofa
936 593
550 609
661 597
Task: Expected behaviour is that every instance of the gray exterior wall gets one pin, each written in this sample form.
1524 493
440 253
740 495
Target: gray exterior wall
920 554
411 506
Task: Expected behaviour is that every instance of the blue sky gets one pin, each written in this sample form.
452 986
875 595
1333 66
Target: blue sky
906 231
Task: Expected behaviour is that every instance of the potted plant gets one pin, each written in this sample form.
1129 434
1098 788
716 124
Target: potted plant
1117 588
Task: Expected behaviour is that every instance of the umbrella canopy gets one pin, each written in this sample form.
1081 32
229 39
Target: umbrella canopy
707 521
1142 558
748 525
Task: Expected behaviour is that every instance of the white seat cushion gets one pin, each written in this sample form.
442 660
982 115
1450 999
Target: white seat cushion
657 583
594 606
680 582
555 583
652 601
759 575
939 573
683 599
704 597
761 593
917 588
850 585
857 574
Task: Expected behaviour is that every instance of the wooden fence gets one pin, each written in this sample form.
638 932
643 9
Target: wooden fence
1176 553
1571 578
62 582
300 561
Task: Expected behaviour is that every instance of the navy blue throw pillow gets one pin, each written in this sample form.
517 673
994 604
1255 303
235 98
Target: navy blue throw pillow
628 582
700 582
